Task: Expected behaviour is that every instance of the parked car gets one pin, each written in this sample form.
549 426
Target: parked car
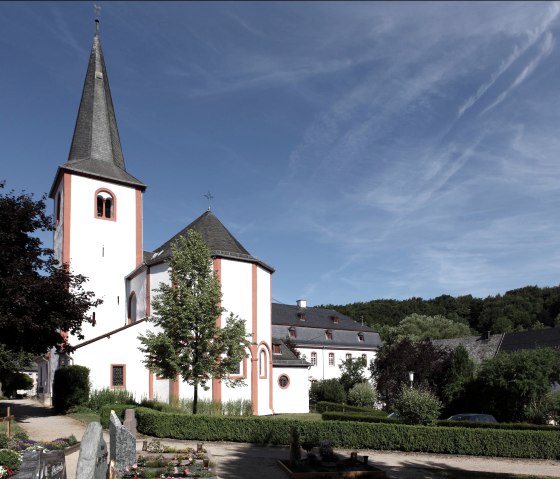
472 417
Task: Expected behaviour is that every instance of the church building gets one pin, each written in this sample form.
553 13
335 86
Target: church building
98 232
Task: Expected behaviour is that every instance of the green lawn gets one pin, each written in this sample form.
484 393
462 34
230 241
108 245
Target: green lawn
85 417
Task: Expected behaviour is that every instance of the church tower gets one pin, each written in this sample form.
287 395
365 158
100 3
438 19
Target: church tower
98 207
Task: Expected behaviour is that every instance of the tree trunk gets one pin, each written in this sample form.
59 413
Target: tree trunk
195 398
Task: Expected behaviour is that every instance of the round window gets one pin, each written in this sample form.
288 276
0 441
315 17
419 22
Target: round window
283 381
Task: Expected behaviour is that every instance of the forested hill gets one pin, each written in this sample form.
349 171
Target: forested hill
516 310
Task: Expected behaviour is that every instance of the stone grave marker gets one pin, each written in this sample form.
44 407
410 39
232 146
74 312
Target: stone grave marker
92 461
122 445
42 465
130 421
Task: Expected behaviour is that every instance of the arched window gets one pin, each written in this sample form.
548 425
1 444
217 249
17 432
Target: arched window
331 359
105 205
262 364
132 308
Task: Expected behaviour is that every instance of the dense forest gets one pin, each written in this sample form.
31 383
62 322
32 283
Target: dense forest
516 310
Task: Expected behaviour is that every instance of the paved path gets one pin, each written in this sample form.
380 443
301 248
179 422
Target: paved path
240 460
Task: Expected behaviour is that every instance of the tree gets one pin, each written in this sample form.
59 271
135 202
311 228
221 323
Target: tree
363 395
13 381
39 299
511 384
190 343
390 368
352 373
327 390
419 327
458 376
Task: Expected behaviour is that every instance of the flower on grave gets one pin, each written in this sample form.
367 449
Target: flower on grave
5 471
186 471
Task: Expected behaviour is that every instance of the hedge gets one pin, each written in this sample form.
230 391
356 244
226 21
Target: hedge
324 406
351 435
361 417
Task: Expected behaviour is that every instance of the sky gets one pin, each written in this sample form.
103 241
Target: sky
365 150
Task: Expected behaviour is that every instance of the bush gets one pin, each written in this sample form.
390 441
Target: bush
10 459
100 397
363 395
11 382
417 406
327 390
70 387
324 406
353 435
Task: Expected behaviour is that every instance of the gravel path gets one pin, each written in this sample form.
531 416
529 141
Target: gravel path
240 460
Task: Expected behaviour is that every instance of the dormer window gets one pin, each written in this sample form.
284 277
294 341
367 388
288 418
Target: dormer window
276 349
104 205
334 319
301 316
361 337
292 332
328 334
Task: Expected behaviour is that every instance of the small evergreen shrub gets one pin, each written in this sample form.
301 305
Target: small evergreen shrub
418 406
362 395
70 387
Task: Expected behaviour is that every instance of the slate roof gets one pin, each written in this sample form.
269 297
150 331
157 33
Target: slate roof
312 330
478 347
531 339
286 358
220 241
96 146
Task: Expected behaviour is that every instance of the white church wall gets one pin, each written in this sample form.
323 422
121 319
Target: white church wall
293 398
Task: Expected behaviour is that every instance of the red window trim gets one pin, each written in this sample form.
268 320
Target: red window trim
108 191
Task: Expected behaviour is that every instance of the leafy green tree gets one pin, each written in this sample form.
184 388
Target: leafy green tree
327 390
458 375
362 394
39 299
352 373
419 327
390 368
417 406
14 381
190 343
512 383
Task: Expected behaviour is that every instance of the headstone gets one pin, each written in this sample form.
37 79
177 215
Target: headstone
92 461
130 421
42 465
123 444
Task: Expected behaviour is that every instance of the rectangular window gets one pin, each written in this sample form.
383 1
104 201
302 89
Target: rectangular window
331 359
313 359
348 356
276 349
364 359
118 376
292 332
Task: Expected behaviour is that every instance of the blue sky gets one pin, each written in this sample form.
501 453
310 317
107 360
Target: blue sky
365 150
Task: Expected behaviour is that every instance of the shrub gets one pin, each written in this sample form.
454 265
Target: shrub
100 397
324 406
417 406
10 459
70 387
11 382
363 395
327 390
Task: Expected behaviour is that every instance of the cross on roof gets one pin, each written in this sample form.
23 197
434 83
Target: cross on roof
209 197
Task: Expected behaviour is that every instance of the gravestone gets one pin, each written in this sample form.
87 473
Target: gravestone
92 461
42 465
130 421
123 444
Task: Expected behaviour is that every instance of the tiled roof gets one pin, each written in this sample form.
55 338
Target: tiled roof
286 357
310 326
96 146
478 347
219 240
531 339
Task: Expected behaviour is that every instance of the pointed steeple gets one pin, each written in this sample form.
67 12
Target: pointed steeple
96 146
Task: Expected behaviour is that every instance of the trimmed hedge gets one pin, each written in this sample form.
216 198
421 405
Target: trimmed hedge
361 417
350 435
70 387
119 409
324 406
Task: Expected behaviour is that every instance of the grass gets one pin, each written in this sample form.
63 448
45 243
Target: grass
310 416
15 428
85 416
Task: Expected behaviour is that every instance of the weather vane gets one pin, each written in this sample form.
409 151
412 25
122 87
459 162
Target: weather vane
209 197
97 10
